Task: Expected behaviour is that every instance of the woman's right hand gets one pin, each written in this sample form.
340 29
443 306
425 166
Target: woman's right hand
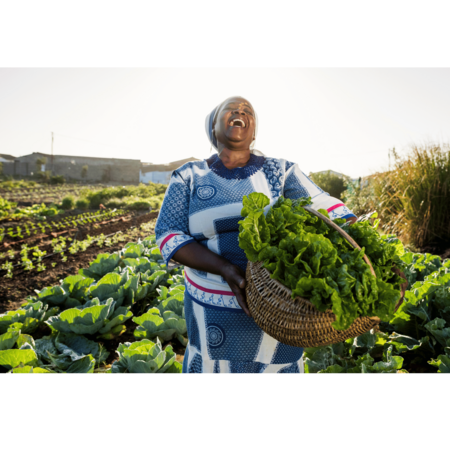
235 278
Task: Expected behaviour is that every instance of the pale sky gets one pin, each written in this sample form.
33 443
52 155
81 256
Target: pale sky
340 119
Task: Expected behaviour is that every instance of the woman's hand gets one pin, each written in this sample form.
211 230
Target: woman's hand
235 278
199 257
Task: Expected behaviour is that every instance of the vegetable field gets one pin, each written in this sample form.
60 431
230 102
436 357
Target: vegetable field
85 290
122 313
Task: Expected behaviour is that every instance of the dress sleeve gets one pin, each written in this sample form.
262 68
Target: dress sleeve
172 226
298 185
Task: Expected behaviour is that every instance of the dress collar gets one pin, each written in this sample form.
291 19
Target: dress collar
254 164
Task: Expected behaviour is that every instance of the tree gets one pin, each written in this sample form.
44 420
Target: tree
334 184
41 162
84 171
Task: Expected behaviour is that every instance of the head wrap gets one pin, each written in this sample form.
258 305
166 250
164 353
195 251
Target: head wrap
209 130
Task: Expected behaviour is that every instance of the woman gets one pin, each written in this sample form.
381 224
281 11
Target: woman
198 227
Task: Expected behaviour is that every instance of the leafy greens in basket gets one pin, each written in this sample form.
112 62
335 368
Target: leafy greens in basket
317 263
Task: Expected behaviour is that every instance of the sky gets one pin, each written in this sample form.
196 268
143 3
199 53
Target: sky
344 120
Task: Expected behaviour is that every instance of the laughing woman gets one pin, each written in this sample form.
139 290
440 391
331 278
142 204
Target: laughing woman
198 227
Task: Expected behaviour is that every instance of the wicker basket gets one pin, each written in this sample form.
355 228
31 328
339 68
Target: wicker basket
297 322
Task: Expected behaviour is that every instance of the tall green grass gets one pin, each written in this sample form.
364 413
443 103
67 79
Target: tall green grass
413 197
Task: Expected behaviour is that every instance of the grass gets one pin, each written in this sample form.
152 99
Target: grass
413 197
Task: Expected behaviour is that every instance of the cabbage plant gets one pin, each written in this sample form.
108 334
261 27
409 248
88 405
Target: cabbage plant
29 369
145 356
93 317
102 265
121 288
69 353
10 359
53 295
30 316
165 325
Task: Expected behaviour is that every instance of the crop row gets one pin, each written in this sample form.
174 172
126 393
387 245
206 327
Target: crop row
30 228
15 192
87 310
60 246
93 307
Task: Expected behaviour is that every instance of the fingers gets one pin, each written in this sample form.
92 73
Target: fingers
235 278
240 297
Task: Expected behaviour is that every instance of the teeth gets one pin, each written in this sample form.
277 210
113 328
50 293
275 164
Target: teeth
237 120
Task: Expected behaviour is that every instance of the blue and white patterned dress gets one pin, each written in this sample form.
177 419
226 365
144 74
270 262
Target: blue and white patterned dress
203 202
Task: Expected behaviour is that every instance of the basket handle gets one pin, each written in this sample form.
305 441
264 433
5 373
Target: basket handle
341 232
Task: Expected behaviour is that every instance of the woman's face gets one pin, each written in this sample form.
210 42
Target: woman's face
235 124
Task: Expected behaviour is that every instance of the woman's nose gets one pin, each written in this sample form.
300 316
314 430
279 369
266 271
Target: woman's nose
238 111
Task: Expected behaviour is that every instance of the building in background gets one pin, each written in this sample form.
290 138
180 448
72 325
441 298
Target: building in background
161 173
6 158
104 170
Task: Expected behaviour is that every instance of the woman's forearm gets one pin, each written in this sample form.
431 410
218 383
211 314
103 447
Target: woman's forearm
196 256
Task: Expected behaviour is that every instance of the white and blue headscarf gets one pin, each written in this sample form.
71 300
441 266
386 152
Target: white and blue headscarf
209 130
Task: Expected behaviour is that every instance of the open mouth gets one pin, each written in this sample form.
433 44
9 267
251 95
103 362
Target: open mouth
237 123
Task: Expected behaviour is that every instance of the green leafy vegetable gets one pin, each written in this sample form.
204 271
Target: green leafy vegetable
317 263
145 356
29 316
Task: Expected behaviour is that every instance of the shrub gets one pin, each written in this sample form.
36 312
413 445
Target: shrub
82 203
68 202
360 197
135 203
334 184
139 205
57 179
111 196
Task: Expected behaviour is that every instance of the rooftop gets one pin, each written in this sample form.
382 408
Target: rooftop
47 155
168 167
8 157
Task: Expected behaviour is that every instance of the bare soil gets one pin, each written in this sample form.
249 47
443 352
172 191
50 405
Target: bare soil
13 291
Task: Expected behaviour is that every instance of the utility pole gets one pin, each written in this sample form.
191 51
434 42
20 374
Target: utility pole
52 152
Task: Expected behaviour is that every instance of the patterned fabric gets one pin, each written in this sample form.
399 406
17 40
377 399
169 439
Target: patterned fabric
274 176
203 203
239 173
194 363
